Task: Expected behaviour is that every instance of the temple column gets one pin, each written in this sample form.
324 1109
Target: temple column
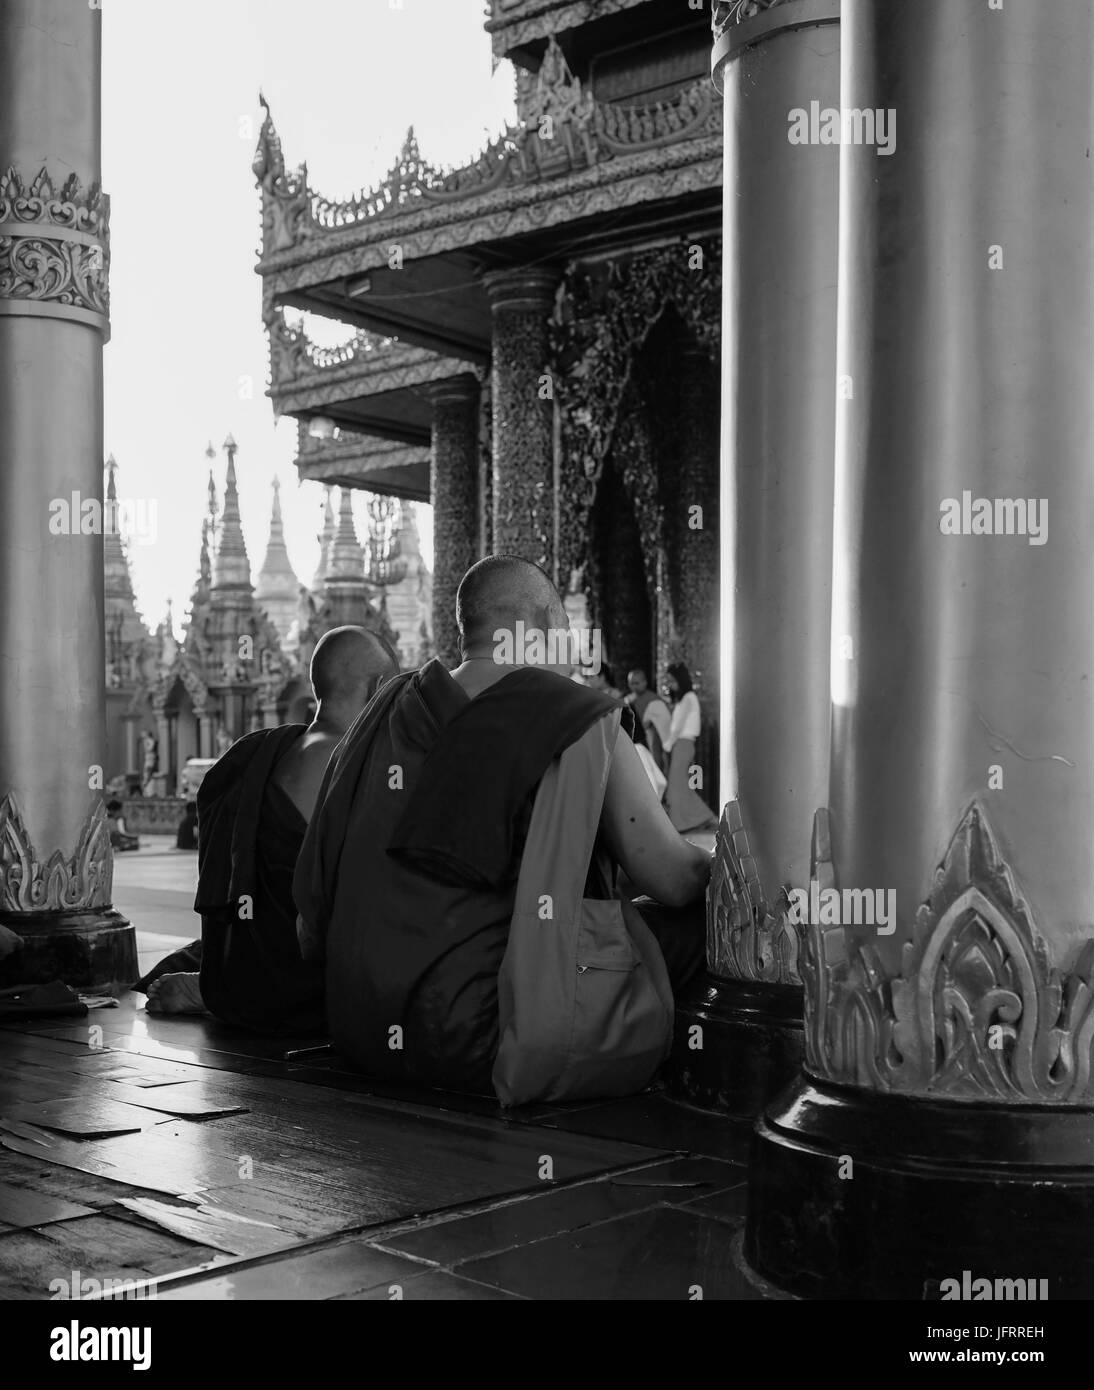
206 736
523 413
778 415
950 957
56 867
454 488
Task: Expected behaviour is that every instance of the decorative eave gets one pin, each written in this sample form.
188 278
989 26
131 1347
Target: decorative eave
372 384
600 158
354 460
515 23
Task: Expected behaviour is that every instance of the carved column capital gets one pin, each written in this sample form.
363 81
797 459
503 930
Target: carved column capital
522 287
54 250
454 390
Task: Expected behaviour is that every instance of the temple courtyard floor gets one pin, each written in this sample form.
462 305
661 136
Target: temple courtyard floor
205 1164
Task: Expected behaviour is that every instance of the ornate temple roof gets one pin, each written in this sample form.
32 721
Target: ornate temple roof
371 384
231 567
350 459
515 24
540 189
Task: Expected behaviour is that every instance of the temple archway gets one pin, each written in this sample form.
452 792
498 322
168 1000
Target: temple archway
621 597
183 733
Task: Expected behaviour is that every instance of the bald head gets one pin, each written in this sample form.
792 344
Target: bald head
497 593
348 664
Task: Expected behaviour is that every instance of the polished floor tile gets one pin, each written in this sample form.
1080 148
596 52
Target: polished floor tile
660 1123
532 1218
351 1267
666 1253
436 1286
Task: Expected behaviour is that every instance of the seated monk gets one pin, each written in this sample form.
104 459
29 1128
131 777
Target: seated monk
407 877
253 809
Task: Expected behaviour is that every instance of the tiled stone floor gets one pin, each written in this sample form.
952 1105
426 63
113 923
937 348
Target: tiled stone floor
209 1163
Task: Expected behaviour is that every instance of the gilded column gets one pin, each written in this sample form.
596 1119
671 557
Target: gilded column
55 860
771 61
950 958
454 488
522 403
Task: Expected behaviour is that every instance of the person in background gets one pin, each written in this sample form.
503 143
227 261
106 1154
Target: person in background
652 713
120 839
604 681
187 837
686 809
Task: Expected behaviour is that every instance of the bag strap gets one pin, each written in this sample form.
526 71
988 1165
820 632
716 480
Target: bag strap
565 818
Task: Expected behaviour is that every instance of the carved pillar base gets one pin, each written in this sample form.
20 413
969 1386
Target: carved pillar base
738 1037
736 1044
87 950
858 1195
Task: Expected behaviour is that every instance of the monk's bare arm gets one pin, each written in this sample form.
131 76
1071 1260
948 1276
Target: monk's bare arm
656 859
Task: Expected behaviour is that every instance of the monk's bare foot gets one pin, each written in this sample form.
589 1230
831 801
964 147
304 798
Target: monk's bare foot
175 994
10 942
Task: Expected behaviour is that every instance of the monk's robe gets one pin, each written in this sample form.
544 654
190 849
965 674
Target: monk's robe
407 877
252 972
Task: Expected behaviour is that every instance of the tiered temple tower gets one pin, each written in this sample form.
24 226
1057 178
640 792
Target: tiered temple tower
278 588
131 650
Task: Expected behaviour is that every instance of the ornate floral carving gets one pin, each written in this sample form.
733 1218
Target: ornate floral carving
747 938
69 206
977 1012
598 331
562 131
56 884
54 246
286 202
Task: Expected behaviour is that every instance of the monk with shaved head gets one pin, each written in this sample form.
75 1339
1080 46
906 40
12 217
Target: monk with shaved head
406 881
253 809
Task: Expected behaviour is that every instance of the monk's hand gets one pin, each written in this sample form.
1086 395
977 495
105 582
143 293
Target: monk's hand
175 994
10 942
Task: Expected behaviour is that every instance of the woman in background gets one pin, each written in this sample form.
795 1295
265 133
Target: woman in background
687 811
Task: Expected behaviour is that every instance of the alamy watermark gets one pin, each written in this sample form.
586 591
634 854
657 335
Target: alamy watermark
832 125
78 1286
995 516
979 1290
135 518
847 907
556 646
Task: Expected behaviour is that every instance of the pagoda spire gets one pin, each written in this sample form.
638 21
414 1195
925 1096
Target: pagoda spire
347 557
325 539
117 581
231 567
278 588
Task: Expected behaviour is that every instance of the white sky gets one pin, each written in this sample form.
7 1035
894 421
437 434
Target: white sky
344 79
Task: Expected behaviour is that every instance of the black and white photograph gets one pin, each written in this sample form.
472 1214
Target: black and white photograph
546 675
